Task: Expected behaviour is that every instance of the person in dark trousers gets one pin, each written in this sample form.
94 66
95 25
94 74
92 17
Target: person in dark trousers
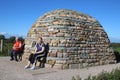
22 52
39 52
16 49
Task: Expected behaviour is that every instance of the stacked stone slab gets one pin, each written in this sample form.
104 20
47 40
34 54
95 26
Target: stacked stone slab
75 39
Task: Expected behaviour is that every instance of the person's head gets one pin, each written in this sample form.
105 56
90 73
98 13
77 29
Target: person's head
17 39
40 40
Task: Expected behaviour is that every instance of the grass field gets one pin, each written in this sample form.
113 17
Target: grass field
116 46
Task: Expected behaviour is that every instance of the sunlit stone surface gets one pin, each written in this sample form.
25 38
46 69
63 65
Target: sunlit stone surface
75 39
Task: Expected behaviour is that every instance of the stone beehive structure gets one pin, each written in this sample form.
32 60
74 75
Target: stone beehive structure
75 39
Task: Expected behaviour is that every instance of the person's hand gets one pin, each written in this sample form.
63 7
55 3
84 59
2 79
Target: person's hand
14 48
33 52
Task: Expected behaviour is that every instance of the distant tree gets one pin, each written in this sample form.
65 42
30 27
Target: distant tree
2 36
12 39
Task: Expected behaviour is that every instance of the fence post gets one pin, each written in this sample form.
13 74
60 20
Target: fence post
1 46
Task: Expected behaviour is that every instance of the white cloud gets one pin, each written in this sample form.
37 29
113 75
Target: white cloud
3 33
7 35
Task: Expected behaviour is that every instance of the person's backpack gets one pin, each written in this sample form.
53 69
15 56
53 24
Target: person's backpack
46 49
23 47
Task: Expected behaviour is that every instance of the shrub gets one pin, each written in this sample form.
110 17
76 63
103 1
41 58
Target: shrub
113 75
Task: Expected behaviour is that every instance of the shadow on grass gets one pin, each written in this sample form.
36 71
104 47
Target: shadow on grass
3 54
117 55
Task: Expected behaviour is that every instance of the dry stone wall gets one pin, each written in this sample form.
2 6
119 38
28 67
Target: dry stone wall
75 39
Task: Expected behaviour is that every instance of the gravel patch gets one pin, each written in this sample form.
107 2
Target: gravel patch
11 70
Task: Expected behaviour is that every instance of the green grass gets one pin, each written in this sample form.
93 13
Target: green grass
116 46
113 75
6 49
117 49
3 54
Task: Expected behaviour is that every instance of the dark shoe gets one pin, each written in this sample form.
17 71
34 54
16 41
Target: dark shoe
16 60
11 59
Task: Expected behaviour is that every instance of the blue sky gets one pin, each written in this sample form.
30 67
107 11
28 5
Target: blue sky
17 16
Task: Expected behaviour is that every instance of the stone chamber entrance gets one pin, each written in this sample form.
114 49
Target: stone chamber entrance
76 40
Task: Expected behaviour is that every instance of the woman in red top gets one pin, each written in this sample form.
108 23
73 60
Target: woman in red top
16 49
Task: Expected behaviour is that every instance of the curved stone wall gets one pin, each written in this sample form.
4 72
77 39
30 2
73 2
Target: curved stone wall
75 39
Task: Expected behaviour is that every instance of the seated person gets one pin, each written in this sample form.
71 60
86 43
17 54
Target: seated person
38 53
16 49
